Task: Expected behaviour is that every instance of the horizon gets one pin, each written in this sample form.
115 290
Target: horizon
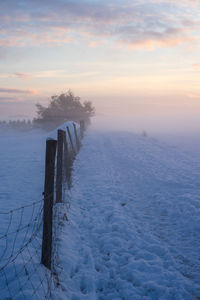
137 61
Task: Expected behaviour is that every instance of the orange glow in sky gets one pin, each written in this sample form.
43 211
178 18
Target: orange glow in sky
129 57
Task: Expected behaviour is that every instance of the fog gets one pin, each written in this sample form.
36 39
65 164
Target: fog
182 132
173 120
158 115
153 124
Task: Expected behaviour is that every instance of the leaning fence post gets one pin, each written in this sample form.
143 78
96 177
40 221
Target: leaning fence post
71 141
59 170
76 137
48 202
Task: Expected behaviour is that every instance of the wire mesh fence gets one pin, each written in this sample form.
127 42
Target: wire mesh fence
23 275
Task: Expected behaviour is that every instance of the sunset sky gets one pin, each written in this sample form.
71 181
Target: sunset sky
135 58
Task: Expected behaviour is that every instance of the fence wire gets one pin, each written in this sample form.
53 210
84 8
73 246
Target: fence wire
22 276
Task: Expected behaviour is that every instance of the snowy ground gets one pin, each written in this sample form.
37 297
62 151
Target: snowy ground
134 215
134 222
22 158
22 179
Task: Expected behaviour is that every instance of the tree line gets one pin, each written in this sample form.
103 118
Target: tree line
20 125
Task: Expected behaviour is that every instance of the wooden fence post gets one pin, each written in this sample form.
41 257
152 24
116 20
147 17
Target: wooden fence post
48 202
82 128
76 137
71 141
68 160
59 170
66 155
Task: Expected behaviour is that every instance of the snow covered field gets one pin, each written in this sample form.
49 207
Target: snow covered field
133 229
22 157
134 221
22 168
22 179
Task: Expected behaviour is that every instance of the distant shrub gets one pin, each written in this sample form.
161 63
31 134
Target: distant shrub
62 108
144 133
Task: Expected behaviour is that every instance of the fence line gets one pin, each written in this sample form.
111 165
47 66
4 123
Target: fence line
28 266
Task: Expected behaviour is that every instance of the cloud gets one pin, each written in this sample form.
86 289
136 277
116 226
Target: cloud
141 23
181 3
194 95
16 75
59 73
151 39
196 67
94 44
7 99
22 75
17 91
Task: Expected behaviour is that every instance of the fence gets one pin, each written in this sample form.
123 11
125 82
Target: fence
28 264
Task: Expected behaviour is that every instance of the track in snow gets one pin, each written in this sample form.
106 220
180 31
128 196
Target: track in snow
134 222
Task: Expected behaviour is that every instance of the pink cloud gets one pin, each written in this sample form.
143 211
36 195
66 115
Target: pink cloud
22 37
138 23
194 96
152 39
18 91
196 66
22 75
94 44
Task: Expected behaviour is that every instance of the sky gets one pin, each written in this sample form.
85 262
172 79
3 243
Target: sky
135 60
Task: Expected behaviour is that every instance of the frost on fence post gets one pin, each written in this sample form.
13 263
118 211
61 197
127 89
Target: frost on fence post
48 202
71 142
67 161
59 170
66 154
76 137
82 128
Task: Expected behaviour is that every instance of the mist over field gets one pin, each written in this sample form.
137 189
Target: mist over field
100 149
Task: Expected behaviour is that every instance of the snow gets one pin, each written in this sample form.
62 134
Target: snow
22 180
22 168
22 157
133 229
